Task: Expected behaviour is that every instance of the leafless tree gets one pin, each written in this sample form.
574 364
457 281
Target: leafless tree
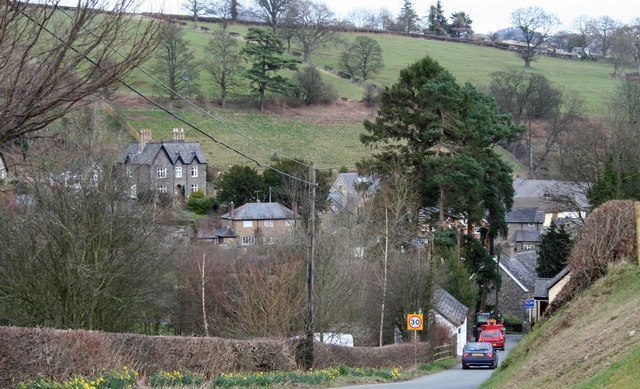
623 50
581 25
50 60
273 10
314 25
363 58
195 8
224 63
536 26
363 18
225 9
602 29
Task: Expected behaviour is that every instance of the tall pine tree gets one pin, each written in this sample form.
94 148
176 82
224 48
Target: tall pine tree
408 20
436 21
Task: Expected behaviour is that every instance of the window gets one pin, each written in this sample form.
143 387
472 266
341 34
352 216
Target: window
194 188
247 223
268 223
247 240
288 223
531 225
528 247
162 172
133 193
178 171
162 188
129 172
194 171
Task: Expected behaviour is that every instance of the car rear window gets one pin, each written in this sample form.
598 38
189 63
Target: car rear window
490 334
478 347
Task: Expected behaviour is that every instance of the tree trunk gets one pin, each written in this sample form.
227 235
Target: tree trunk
307 54
384 279
204 309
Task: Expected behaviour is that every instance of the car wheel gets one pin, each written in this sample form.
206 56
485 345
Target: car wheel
465 367
495 364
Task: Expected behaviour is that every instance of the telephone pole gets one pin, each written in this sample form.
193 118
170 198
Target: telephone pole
310 269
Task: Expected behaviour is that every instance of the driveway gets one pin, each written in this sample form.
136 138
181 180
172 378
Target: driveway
453 378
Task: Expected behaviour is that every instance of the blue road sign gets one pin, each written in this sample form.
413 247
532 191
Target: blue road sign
529 303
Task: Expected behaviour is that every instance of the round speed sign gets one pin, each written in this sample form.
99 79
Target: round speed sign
414 322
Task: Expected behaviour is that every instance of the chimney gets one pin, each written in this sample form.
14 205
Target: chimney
178 134
145 137
294 208
232 210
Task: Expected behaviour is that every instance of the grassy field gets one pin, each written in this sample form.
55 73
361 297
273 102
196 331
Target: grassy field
336 144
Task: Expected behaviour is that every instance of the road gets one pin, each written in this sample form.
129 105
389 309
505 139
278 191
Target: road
454 378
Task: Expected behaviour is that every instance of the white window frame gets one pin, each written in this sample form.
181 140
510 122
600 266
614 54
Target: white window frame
289 223
194 188
162 188
247 223
194 171
133 192
268 223
162 172
531 225
178 171
526 247
248 240
129 172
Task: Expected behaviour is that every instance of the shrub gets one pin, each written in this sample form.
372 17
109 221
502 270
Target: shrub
372 95
200 204
312 88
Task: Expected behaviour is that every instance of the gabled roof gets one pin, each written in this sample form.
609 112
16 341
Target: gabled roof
175 151
558 277
525 215
527 236
521 268
449 307
353 183
541 289
261 211
531 188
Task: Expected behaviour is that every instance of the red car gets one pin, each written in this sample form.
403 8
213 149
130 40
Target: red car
494 337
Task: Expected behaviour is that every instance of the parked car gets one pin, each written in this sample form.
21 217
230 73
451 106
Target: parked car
495 337
479 354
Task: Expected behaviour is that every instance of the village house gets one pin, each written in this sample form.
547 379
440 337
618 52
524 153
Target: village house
547 290
452 314
350 190
261 223
176 167
518 273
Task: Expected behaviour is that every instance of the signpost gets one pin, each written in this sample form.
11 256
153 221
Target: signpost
529 304
415 323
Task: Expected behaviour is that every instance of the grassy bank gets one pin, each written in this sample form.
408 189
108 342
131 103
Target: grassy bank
593 342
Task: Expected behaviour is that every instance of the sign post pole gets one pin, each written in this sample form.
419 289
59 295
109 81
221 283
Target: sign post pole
415 323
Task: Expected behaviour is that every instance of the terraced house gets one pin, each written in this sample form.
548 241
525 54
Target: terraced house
174 167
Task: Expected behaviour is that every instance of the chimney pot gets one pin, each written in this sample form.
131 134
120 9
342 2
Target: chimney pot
232 210
178 134
145 137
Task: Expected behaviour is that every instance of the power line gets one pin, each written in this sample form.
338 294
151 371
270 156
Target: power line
197 107
158 105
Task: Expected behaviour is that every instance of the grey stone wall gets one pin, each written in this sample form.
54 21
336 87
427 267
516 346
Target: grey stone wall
511 298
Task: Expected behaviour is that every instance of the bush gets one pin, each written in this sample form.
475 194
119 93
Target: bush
511 320
372 95
312 88
200 204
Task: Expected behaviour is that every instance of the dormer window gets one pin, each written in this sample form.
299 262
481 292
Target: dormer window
194 171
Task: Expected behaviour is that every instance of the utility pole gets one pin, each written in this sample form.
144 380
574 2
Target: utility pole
310 269
384 280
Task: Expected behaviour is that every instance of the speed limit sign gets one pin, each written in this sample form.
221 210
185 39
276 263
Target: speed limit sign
414 322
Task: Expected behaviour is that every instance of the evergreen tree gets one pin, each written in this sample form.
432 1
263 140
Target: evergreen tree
408 19
553 252
175 64
614 184
460 26
267 56
240 185
437 22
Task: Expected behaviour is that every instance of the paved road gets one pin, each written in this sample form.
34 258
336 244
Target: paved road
454 378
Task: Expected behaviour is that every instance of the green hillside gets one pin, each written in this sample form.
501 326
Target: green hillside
594 342
335 143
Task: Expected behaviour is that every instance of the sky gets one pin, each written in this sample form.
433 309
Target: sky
487 15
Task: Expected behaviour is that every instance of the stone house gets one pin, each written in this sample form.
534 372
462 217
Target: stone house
452 314
177 168
261 223
518 274
525 226
349 190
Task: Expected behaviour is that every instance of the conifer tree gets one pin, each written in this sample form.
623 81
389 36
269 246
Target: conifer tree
553 252
408 20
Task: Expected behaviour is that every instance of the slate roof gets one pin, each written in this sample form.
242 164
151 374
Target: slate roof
525 215
530 188
221 232
522 268
347 196
541 289
558 277
527 236
261 211
449 307
175 150
353 179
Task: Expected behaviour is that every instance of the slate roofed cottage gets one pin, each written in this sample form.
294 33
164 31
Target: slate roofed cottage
175 167
261 222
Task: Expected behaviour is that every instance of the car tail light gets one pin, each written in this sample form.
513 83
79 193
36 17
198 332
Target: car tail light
465 354
490 355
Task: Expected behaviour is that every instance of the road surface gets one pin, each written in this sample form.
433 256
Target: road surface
454 378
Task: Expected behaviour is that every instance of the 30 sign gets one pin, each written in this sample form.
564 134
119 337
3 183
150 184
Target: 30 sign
415 322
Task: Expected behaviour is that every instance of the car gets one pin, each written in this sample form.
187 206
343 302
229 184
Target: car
495 337
479 354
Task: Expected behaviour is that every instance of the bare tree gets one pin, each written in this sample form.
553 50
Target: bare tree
50 61
225 9
195 8
224 63
582 25
602 29
536 26
273 11
623 50
363 58
314 25
363 18
175 63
